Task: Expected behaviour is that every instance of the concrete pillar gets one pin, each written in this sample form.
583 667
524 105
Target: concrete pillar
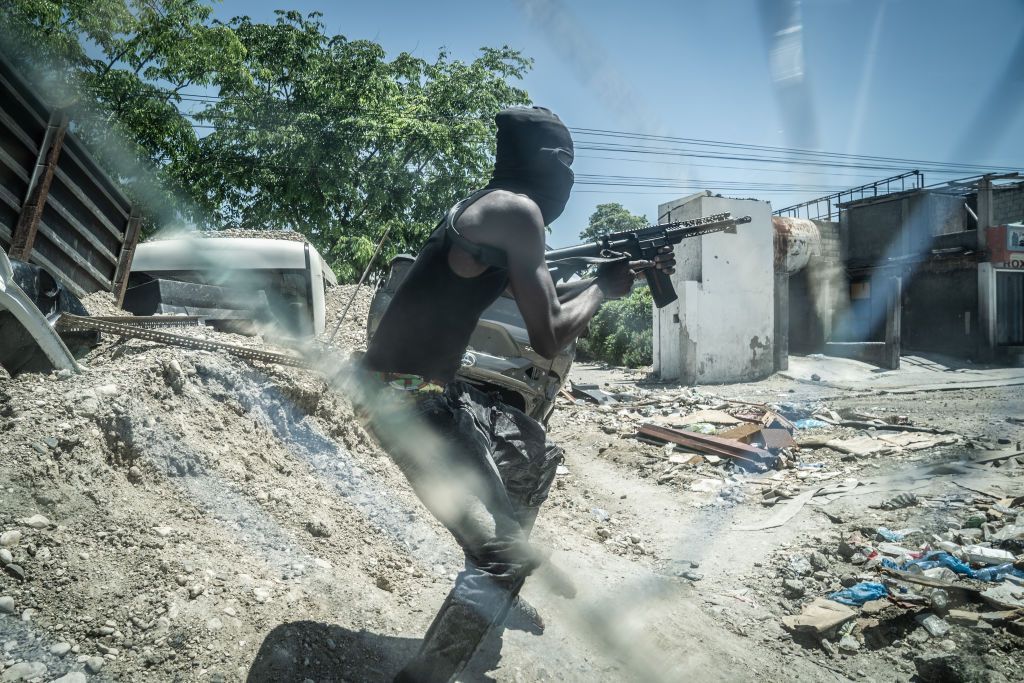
722 327
781 348
984 211
986 310
893 323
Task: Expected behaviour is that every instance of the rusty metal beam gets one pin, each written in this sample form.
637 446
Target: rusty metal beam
124 261
24 236
705 443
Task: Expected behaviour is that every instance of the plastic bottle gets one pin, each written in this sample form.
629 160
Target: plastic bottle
994 573
939 601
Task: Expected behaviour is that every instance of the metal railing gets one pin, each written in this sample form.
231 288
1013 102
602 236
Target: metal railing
911 180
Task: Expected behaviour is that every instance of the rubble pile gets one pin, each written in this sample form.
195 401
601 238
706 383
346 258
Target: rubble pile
166 507
351 335
942 579
706 444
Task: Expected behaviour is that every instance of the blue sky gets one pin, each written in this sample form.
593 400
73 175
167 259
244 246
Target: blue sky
915 79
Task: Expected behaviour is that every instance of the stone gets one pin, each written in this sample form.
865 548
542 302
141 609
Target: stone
849 644
24 671
819 561
794 588
16 570
963 617
819 616
195 591
800 566
918 636
848 580
947 645
36 522
5 556
9 539
6 605
174 376
94 664
261 594
318 529
73 677
135 474
214 624
60 649
107 390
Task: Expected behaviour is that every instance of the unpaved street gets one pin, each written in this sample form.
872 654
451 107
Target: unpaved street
175 515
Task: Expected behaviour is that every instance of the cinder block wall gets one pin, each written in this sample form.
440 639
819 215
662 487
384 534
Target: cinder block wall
721 328
1008 204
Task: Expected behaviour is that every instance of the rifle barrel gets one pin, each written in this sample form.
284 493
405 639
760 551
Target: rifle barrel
673 232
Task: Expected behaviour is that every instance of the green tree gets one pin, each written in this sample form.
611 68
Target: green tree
609 218
120 67
326 136
622 331
297 128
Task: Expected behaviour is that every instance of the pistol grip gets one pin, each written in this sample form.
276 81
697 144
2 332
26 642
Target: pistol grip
661 287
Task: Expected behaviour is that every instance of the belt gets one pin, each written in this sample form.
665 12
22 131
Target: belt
407 382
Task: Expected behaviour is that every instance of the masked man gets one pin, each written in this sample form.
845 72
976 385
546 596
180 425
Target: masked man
483 468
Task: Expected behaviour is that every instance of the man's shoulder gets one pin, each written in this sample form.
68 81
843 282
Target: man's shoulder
502 218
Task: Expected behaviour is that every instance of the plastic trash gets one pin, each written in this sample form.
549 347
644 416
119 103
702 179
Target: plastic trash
940 558
939 601
890 535
859 594
810 423
998 573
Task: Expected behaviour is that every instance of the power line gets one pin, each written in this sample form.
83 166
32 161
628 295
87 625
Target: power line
795 156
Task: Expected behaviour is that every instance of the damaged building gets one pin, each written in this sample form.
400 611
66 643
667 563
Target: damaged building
934 270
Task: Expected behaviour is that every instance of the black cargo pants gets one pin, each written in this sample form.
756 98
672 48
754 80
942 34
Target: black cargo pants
483 468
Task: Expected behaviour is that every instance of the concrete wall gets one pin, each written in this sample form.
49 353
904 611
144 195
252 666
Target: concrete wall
817 292
1008 204
900 225
721 328
940 310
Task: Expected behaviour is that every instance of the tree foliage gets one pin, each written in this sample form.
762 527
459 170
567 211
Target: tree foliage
120 67
622 331
275 126
330 138
609 218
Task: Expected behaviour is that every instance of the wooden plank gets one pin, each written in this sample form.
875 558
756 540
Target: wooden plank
77 153
39 187
12 163
12 126
71 253
705 443
124 263
89 204
87 235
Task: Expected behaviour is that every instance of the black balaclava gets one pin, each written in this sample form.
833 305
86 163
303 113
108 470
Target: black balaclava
533 158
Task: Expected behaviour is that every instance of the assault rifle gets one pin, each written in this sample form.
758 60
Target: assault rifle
638 245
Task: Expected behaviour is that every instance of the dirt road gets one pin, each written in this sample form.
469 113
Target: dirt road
174 515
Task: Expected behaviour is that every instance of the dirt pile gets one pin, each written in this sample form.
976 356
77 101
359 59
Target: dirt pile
167 507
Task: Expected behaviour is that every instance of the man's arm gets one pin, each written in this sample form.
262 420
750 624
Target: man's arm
567 291
551 323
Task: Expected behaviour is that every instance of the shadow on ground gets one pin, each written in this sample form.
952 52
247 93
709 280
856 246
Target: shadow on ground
312 651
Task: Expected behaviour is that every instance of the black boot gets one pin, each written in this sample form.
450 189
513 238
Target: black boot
453 637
